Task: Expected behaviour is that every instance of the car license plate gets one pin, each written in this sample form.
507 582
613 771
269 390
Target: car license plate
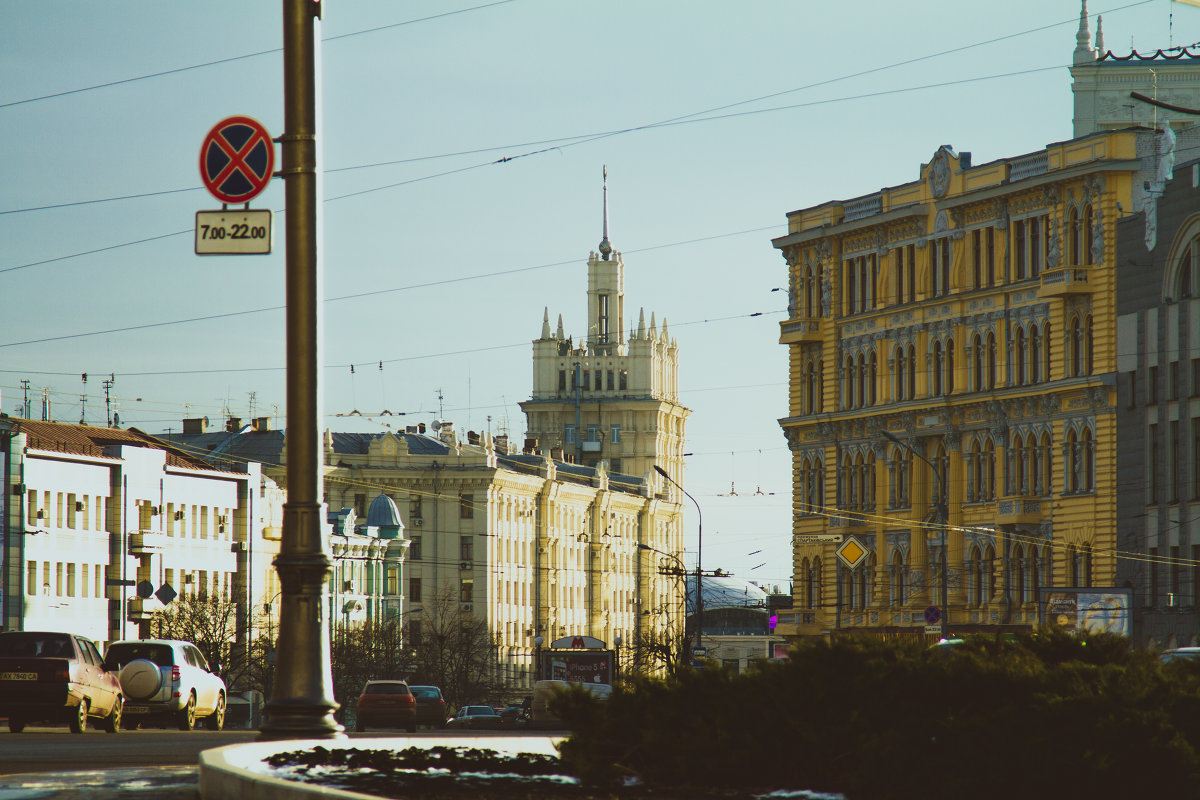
137 709
18 676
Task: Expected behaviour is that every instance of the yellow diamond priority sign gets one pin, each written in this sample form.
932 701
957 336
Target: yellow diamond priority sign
851 552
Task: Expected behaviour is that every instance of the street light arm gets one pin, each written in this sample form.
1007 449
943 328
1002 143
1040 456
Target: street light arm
699 556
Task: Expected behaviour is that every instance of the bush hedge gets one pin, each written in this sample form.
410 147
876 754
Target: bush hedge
1044 715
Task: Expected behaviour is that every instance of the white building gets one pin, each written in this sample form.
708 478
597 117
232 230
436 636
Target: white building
104 526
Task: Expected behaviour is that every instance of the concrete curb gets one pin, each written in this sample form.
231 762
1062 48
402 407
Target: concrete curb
236 771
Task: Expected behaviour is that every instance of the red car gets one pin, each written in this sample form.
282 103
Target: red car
56 677
386 704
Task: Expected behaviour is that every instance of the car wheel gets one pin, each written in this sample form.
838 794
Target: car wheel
216 720
78 721
15 724
112 723
187 714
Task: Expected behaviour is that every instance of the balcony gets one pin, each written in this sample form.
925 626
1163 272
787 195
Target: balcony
793 331
1063 281
144 543
1018 511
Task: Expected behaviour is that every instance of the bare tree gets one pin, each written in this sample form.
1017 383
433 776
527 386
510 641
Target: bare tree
659 652
452 649
362 652
210 623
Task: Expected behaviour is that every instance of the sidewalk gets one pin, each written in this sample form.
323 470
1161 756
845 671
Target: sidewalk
143 783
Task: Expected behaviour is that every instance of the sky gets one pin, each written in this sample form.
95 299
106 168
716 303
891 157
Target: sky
463 145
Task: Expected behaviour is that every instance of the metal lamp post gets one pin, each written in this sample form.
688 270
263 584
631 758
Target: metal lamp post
943 517
699 556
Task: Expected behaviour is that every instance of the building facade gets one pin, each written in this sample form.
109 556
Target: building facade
952 409
538 548
103 527
1158 427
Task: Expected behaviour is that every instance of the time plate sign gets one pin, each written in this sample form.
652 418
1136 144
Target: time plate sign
233 233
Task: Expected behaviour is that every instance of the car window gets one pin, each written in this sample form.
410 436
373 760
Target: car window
22 643
121 653
426 692
386 688
196 658
90 653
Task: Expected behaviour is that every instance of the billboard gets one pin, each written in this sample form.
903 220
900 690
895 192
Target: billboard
577 666
1089 610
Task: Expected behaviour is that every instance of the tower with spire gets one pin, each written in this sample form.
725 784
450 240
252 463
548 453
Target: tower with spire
607 396
1102 81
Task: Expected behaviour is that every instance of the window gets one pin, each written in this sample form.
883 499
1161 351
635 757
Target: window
1152 385
939 268
569 434
1173 462
1152 569
593 433
614 434
414 549
360 505
562 380
466 548
70 579
611 380
414 590
599 384
466 506
1152 466
1196 377
1173 380
466 591
623 380
414 507
31 581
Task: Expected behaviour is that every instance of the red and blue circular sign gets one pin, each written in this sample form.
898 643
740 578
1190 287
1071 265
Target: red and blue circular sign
237 159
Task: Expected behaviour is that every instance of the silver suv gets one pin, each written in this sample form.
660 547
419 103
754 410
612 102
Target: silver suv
169 680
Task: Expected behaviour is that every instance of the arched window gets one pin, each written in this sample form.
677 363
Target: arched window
810 388
860 392
975 473
1035 355
1073 236
1087 459
976 363
1087 345
989 573
820 386
901 370
1046 472
1072 564
1075 347
1020 473
938 481
847 484
848 383
868 488
872 378
974 577
989 371
898 594
1046 350
989 469
1089 232
1018 574
912 372
901 473
1019 357
937 369
806 584
949 382
1071 462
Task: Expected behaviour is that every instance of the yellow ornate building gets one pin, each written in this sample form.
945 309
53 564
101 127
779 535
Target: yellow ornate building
952 397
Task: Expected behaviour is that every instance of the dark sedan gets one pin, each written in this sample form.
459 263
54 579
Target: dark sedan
431 706
475 717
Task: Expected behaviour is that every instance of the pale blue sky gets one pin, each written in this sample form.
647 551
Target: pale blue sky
463 255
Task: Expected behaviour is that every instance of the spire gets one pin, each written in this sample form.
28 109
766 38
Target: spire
664 330
641 331
605 247
560 329
653 327
546 323
1100 51
1083 39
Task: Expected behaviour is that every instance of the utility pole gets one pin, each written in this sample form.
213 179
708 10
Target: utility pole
302 704
25 401
108 384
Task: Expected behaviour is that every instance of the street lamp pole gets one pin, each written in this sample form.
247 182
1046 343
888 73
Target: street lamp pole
943 514
679 570
699 557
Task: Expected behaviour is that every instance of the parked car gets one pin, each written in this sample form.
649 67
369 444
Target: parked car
386 704
167 680
56 677
431 706
1179 653
515 715
475 717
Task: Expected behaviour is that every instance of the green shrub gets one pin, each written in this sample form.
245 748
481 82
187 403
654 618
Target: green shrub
1043 715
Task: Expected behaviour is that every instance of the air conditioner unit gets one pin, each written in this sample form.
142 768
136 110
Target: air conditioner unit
41 514
178 515
418 522
465 565
154 511
467 608
79 505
